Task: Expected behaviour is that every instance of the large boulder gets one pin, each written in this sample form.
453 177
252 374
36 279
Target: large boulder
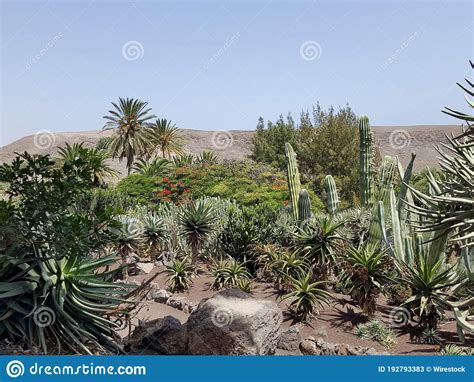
233 322
161 336
290 339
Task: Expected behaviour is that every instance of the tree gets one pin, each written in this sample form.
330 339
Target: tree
93 159
166 138
131 136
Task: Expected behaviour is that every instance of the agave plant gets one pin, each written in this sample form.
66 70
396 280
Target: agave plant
131 137
197 223
166 138
155 232
228 273
128 237
153 167
430 282
94 161
320 242
180 274
306 297
286 266
207 157
62 304
367 271
183 160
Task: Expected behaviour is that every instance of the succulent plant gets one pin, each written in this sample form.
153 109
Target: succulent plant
294 185
304 207
332 197
366 163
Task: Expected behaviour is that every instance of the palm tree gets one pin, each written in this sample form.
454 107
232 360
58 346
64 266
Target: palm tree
93 161
131 136
153 167
166 138
196 223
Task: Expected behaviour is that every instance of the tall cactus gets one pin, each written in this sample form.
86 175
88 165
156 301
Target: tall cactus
366 163
304 206
294 184
332 197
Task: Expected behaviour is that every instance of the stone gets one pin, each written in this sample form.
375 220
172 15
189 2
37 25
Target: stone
290 339
144 268
234 322
308 347
161 296
177 302
161 336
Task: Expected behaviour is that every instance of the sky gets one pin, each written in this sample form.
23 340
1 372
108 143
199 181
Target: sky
220 65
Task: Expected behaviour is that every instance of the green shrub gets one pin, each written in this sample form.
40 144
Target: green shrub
376 331
139 187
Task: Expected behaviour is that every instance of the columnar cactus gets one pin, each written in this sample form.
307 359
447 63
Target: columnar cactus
294 184
332 197
365 164
304 206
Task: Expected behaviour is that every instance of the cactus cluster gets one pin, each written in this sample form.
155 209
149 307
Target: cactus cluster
293 174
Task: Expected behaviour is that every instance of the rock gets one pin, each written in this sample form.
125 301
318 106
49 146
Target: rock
290 339
233 322
161 336
161 296
371 351
308 347
144 268
177 302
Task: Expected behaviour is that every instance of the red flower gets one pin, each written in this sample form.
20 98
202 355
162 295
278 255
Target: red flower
186 190
166 192
166 180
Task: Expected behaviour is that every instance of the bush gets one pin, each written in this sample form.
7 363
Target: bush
376 331
139 188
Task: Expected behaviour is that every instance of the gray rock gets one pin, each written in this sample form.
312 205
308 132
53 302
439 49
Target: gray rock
290 339
308 347
144 268
177 302
233 322
161 296
161 336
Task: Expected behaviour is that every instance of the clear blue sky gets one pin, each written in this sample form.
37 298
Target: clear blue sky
220 65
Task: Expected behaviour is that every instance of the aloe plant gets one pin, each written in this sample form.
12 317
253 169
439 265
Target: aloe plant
294 185
332 196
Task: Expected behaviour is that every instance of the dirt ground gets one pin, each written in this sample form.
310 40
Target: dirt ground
336 323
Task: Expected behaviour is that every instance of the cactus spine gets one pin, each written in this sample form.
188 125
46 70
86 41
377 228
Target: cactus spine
304 206
331 191
294 184
365 164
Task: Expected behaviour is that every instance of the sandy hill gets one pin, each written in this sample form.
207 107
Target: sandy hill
391 140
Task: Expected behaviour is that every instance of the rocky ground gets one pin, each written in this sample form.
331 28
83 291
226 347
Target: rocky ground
331 332
391 140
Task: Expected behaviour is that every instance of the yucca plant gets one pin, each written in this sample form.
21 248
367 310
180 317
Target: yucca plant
454 350
131 137
155 233
430 282
286 266
153 167
245 285
58 305
320 242
180 273
183 160
228 273
366 273
306 297
431 336
128 237
197 223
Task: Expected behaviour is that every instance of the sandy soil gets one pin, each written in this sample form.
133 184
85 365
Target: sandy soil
391 140
336 323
